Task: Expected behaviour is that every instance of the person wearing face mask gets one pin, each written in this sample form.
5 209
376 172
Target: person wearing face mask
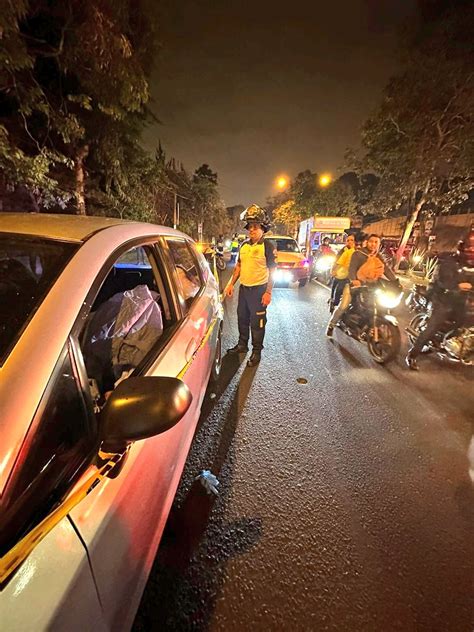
256 260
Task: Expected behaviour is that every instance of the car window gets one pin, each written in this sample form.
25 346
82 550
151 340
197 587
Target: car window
60 444
28 269
188 280
285 245
126 321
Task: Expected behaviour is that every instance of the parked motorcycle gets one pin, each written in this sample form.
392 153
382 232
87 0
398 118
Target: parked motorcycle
451 342
418 299
369 320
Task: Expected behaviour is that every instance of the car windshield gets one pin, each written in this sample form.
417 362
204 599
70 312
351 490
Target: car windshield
28 268
286 245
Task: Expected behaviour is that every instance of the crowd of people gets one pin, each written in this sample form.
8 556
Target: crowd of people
359 264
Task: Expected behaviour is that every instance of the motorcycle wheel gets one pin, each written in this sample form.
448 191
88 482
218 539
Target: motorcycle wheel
417 323
388 345
220 263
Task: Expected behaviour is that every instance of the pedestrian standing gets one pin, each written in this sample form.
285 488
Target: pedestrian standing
256 260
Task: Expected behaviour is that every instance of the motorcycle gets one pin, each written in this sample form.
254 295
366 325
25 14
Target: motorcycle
369 320
220 261
322 267
418 299
451 342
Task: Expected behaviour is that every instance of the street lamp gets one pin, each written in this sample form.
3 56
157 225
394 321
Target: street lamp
325 180
282 183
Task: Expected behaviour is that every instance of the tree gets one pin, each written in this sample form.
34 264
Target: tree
66 104
420 141
288 215
208 205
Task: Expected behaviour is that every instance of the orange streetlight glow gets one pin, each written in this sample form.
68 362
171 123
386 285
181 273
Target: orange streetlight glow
325 180
282 182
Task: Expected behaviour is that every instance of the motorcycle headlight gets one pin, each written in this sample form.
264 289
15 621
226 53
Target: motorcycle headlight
389 300
228 243
324 264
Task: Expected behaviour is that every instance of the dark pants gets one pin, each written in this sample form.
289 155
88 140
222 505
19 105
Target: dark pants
336 291
442 311
251 315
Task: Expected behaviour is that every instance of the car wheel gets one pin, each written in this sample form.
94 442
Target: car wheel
217 364
302 282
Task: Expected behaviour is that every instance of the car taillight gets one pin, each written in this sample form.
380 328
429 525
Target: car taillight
304 263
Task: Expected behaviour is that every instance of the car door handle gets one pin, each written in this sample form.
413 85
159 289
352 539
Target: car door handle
190 349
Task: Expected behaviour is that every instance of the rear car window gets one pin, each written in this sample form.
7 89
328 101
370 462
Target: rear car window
28 269
285 245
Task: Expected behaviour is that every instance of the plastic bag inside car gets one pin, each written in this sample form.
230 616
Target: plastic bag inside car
120 333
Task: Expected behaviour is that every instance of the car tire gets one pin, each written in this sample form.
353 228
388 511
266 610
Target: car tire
302 282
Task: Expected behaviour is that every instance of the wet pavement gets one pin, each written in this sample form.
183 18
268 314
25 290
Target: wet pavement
345 502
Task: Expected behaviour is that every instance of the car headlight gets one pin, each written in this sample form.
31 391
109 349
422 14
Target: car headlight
389 300
324 264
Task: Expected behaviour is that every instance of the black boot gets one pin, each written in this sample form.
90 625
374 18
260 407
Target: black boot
411 362
239 348
254 358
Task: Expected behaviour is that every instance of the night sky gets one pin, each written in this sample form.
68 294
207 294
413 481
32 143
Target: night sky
259 88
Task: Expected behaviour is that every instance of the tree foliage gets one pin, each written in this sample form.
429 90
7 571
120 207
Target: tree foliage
73 102
72 75
420 141
305 198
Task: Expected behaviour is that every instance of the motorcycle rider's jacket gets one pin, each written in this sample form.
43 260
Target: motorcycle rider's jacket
368 268
340 269
445 286
448 274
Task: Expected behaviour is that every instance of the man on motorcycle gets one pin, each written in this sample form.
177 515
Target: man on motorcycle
453 278
340 272
325 248
366 267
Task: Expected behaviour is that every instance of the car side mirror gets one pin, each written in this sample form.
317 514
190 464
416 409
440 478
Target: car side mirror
142 407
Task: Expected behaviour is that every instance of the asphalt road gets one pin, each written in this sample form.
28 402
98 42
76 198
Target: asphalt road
345 502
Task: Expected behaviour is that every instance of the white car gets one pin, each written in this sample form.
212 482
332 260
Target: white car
109 334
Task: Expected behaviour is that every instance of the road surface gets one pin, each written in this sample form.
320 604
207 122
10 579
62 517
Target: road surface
345 499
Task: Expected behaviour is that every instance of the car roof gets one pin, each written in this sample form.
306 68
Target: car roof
279 237
74 228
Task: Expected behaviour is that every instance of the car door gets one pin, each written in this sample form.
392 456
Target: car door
54 587
121 522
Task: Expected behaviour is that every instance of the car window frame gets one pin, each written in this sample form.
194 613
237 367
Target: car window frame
5 355
184 308
156 247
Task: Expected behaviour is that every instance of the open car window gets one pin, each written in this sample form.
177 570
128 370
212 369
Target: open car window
28 269
186 271
127 320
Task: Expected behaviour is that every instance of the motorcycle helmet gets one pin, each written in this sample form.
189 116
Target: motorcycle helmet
255 214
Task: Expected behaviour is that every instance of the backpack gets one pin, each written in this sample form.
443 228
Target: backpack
371 270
